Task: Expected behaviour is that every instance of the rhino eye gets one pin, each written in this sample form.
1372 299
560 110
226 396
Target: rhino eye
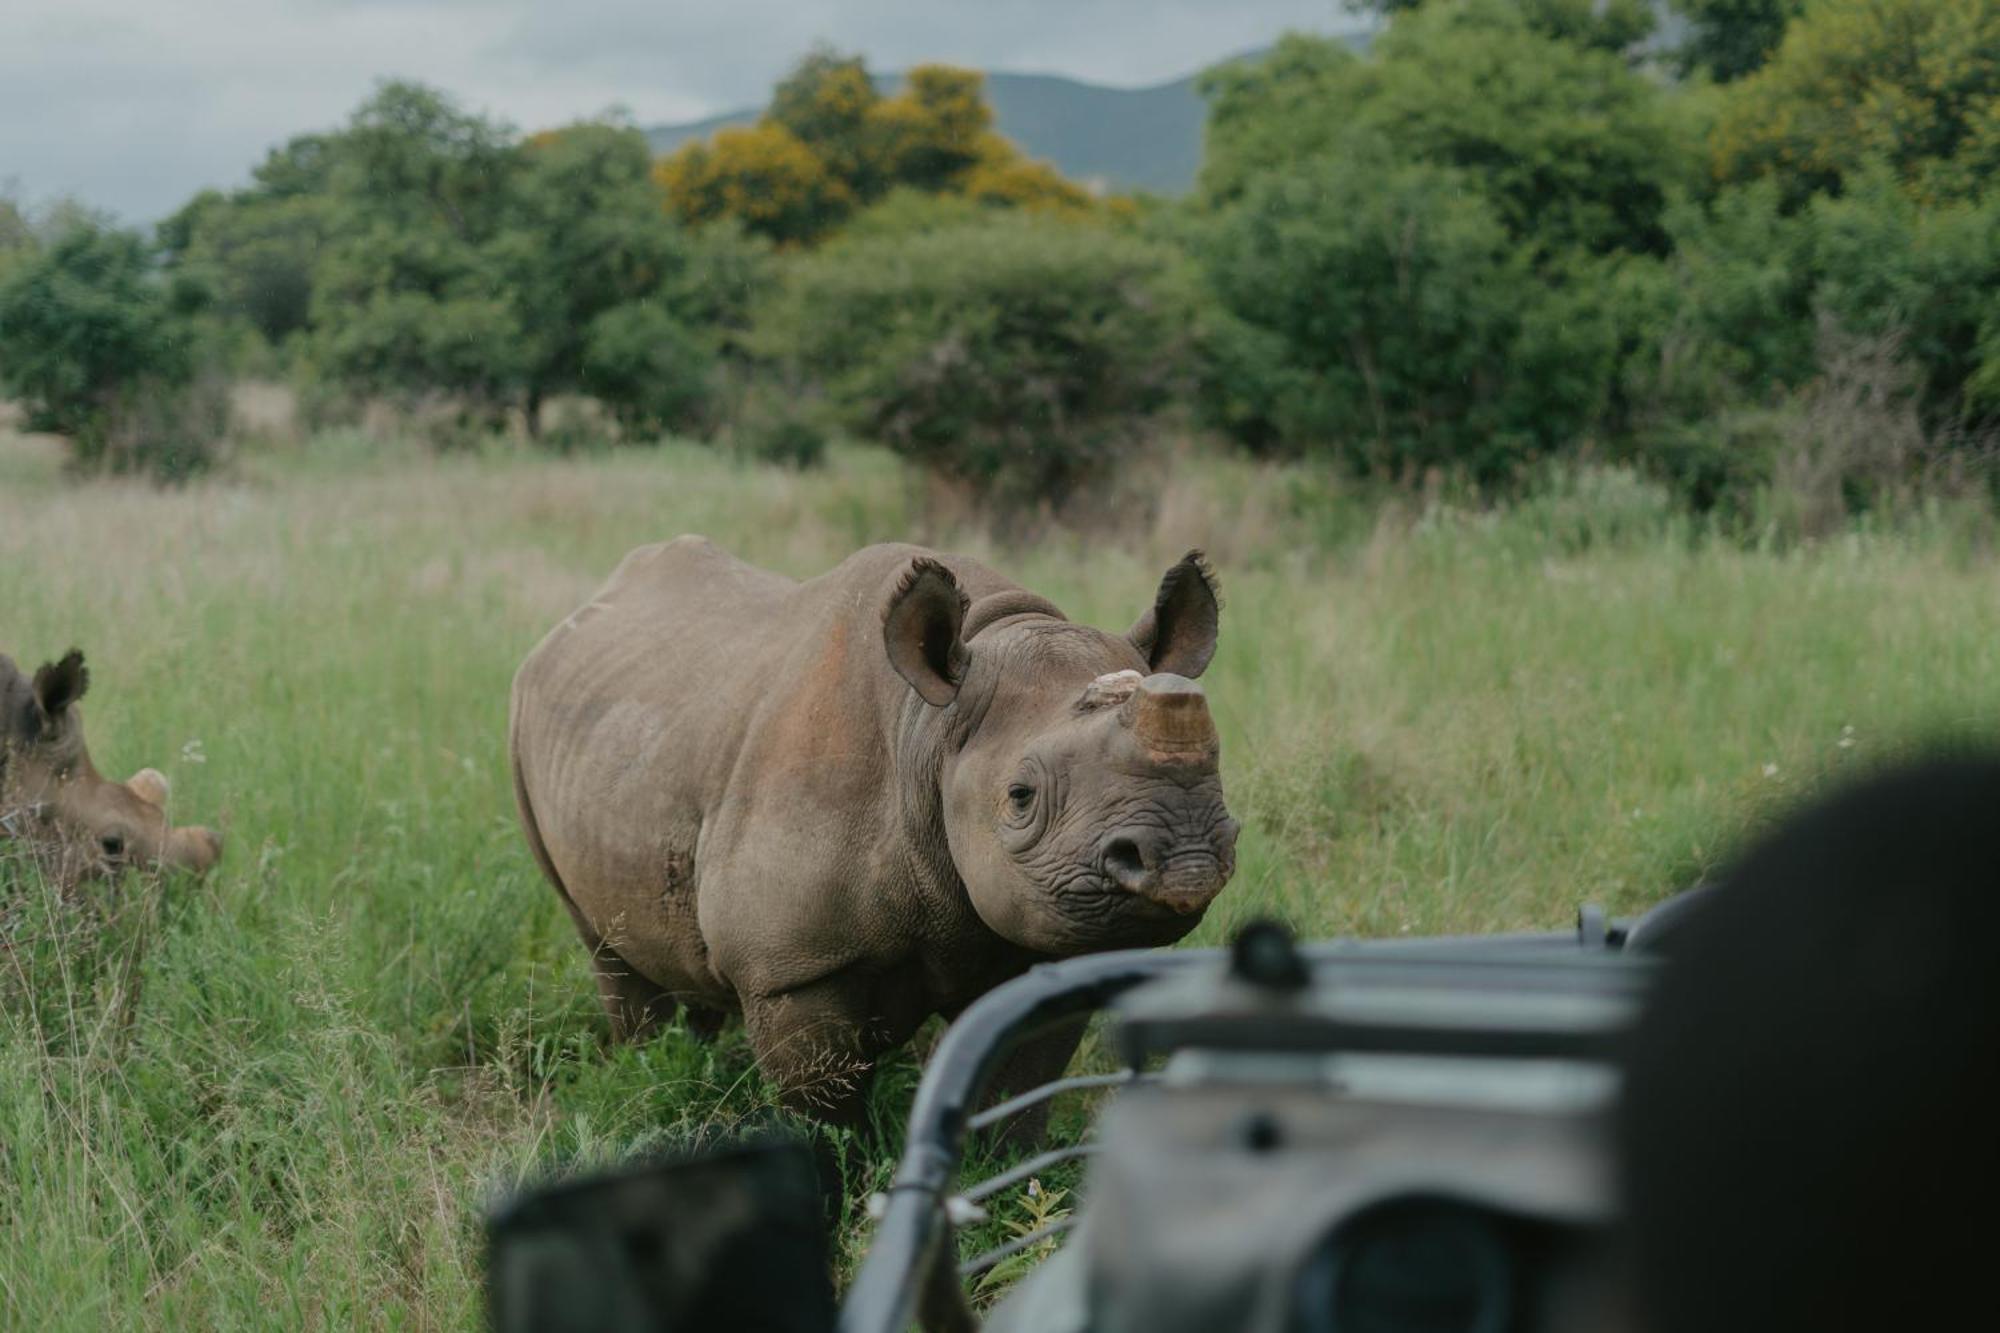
113 845
1021 796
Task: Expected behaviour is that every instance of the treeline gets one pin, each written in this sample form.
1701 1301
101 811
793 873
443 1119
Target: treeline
1763 267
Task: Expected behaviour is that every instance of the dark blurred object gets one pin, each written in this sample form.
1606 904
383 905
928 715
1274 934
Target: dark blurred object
734 1240
1807 1126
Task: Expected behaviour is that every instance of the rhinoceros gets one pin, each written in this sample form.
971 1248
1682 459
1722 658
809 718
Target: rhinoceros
54 803
840 806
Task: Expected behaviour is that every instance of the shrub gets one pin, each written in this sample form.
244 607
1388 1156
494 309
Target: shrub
99 349
775 427
1020 356
648 367
1733 316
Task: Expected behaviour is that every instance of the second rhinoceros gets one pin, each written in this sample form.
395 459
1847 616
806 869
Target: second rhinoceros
842 805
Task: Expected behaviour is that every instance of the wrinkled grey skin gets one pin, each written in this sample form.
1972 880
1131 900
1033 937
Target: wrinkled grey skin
56 807
840 806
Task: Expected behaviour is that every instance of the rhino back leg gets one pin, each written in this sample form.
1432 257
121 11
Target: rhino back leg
636 1007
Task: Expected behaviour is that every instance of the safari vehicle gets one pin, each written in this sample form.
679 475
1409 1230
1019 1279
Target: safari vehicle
1397 1135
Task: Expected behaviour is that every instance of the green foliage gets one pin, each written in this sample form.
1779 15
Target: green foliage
17 231
254 252
1571 148
1019 356
410 296
1732 38
1384 316
100 349
1265 115
1612 25
591 264
648 366
1748 281
422 251
776 425
1914 84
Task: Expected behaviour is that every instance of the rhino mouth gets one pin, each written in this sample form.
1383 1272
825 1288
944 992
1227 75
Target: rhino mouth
1103 910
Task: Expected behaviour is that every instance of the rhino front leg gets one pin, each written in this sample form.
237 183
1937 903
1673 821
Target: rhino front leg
1040 1060
814 1044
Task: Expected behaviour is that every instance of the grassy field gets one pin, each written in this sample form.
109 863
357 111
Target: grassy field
375 1015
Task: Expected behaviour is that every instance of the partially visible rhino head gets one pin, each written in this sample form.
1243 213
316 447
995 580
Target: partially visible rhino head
54 802
1080 794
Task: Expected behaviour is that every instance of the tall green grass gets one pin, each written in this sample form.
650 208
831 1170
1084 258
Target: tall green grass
281 1097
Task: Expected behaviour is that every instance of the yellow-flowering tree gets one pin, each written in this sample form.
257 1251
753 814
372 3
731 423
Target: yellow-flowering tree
830 143
1001 176
1911 83
930 134
765 177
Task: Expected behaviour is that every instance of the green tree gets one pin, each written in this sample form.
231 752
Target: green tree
594 267
256 249
1267 115
88 329
1384 316
1571 148
1612 25
16 232
1732 38
256 253
409 294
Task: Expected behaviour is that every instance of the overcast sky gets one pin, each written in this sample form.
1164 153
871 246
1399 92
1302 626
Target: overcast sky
133 105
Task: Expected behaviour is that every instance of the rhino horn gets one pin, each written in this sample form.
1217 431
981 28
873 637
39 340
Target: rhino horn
1169 716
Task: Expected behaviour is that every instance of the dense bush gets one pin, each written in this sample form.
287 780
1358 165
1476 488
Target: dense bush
1021 356
100 349
1748 285
1384 316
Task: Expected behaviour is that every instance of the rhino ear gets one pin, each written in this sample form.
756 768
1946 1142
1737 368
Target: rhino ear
60 684
921 629
1178 634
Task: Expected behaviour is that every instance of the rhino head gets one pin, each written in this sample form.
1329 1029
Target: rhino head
54 802
1080 797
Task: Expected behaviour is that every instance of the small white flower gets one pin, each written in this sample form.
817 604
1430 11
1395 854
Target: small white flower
1034 1188
1846 741
1770 770
191 753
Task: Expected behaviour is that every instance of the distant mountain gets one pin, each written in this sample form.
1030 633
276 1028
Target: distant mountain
1121 138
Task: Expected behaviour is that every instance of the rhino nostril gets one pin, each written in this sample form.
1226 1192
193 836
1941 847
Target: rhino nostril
1125 862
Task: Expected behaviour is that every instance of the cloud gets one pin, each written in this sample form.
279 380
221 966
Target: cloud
133 106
